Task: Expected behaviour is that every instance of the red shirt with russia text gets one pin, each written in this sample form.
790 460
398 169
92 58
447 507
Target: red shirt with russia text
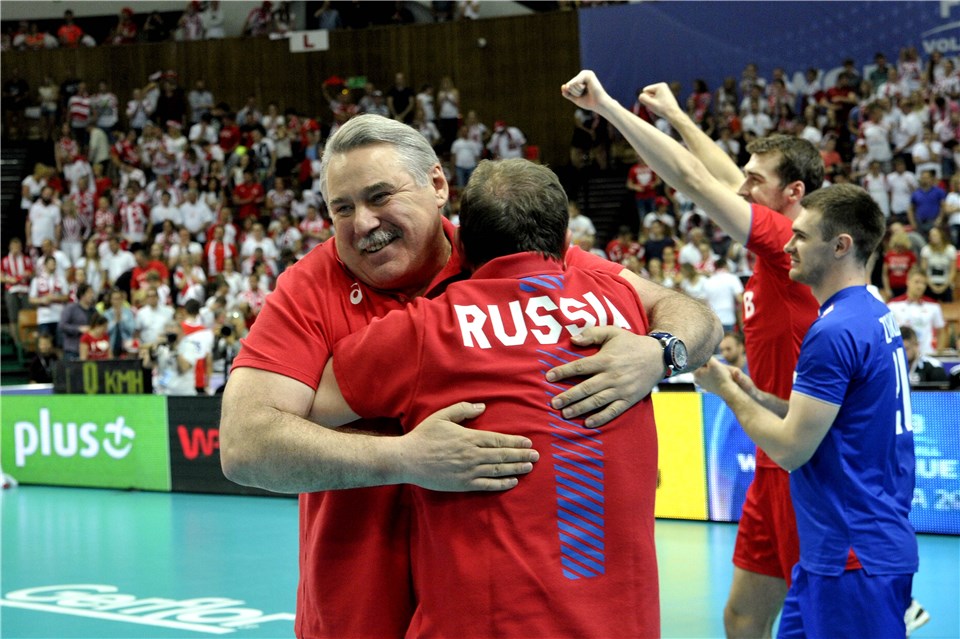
570 551
776 310
361 535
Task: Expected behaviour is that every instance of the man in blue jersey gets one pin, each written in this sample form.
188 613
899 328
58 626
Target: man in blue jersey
845 433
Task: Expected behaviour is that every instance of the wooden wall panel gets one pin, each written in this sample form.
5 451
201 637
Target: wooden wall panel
516 76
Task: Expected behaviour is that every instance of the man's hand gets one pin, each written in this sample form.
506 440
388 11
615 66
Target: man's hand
439 454
625 370
660 99
714 377
584 90
744 382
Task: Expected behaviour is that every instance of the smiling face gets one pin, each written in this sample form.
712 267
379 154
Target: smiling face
762 184
811 255
388 229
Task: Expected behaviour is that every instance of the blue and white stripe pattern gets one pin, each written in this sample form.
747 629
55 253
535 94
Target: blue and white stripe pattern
578 463
541 282
577 457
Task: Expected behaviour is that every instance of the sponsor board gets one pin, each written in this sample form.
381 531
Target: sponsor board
72 440
194 439
731 460
206 615
936 497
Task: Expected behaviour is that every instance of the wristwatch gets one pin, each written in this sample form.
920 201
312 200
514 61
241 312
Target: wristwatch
674 352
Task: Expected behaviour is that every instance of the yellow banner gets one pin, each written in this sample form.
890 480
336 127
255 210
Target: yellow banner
682 477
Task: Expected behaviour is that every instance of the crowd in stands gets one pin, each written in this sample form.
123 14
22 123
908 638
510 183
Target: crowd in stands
199 21
171 197
206 20
892 129
172 200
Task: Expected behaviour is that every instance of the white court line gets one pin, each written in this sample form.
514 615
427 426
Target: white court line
112 616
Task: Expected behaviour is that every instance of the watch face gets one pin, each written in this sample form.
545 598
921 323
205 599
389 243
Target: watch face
679 355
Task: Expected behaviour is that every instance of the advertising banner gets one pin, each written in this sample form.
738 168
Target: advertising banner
194 436
681 480
75 440
936 436
936 424
731 460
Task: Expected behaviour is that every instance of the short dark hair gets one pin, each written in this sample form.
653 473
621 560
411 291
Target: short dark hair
82 289
845 208
98 320
908 334
512 206
192 307
799 159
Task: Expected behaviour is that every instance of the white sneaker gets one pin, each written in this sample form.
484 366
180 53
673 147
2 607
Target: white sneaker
915 616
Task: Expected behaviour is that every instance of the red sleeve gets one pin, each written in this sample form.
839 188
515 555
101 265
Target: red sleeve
769 233
378 368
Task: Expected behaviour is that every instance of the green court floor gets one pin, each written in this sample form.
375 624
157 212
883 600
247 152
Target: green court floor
168 565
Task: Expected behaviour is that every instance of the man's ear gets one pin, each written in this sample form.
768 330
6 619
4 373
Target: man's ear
796 190
439 182
843 245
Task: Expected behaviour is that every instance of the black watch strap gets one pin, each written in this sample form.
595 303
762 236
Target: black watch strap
667 341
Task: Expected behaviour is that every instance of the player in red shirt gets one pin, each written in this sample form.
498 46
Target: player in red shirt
486 565
758 213
386 188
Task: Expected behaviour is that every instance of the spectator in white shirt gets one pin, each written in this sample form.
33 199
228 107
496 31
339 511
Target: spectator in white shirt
466 154
43 220
920 313
196 215
151 317
163 212
184 246
580 225
258 240
117 260
725 295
